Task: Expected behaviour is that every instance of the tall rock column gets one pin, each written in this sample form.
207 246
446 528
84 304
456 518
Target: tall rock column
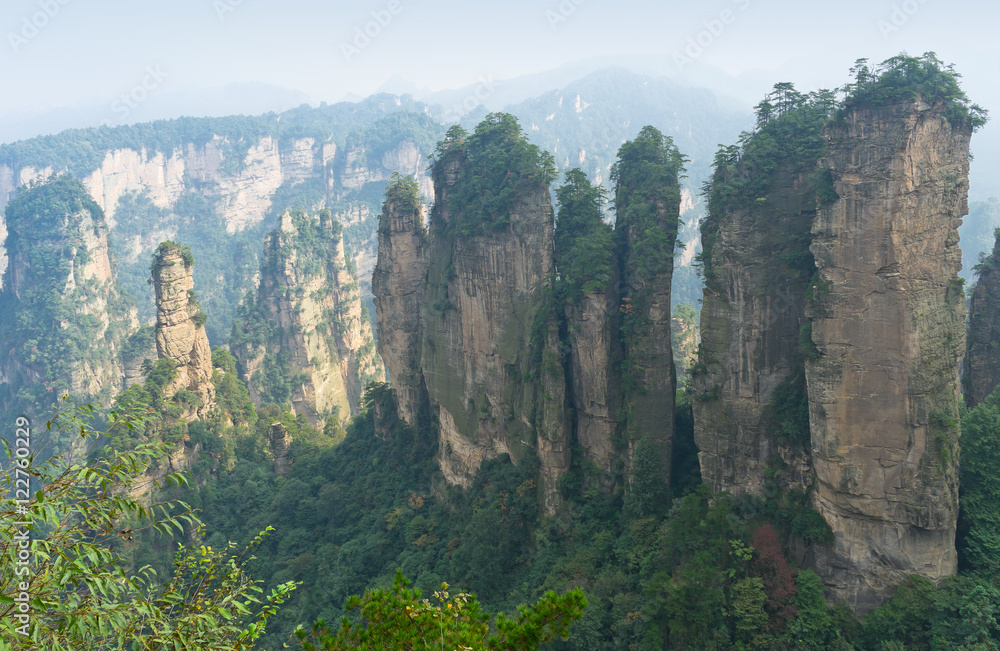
62 320
180 326
888 329
647 200
305 339
398 285
757 273
981 373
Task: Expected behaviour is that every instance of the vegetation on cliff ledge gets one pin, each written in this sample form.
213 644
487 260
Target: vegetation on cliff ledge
497 168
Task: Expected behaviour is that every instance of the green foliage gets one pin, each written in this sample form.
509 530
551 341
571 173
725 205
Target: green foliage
584 243
807 346
81 595
903 78
814 628
498 168
648 494
788 410
403 192
171 247
647 202
979 497
787 139
48 330
398 618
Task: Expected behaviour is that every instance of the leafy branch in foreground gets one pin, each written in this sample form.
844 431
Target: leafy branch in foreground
397 618
79 592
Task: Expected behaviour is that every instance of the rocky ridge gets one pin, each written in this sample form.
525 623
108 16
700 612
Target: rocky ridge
307 323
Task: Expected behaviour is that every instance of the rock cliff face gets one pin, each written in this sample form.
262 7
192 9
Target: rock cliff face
484 293
306 333
180 327
596 398
888 328
139 350
752 314
981 372
62 320
208 191
398 284
647 201
510 357
474 332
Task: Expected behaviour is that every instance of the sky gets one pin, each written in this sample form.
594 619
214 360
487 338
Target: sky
127 57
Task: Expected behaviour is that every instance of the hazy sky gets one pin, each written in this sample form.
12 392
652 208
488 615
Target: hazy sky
72 52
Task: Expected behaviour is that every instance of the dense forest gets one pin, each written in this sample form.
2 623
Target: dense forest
354 532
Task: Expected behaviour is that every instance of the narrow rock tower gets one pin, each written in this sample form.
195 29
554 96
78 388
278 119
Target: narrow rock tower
888 326
180 327
982 360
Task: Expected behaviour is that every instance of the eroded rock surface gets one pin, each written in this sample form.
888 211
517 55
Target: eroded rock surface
180 328
888 327
981 372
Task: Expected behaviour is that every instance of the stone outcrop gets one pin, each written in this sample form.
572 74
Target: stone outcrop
647 204
473 323
752 313
981 371
888 329
307 323
464 335
595 390
63 321
483 295
241 181
138 353
398 284
180 328
281 442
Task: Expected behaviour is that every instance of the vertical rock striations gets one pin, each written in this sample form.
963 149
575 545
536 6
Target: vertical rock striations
62 320
398 285
511 355
750 406
647 200
981 372
486 330
306 338
487 353
888 329
588 288
180 327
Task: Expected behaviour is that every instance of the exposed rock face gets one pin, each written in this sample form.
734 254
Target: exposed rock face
981 372
180 330
648 216
465 334
63 322
889 330
753 309
398 284
595 391
240 190
308 320
484 293
138 351
280 444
